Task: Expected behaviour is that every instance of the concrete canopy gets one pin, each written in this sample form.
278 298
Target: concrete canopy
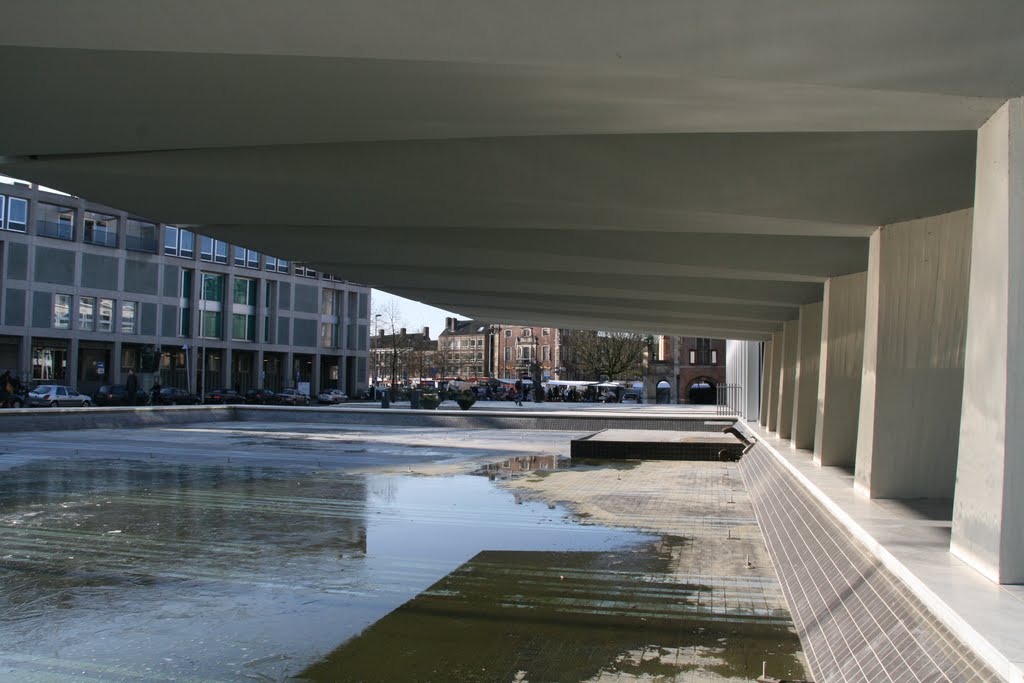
694 167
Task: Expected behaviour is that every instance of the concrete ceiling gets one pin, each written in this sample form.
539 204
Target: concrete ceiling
689 166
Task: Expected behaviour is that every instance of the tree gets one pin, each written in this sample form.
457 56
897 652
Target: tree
444 359
615 355
393 347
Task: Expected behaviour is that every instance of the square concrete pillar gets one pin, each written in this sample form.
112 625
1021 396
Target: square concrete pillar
988 505
841 367
787 377
778 341
766 382
914 331
805 400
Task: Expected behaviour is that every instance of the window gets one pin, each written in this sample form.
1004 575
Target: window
327 306
246 258
277 264
213 250
57 222
179 242
243 327
185 303
545 331
303 271
106 315
245 291
364 305
140 236
62 311
128 318
210 325
86 313
328 335
508 334
17 213
213 288
525 352
546 353
270 264
99 228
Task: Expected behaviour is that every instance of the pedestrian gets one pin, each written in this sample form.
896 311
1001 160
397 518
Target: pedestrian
519 392
131 386
154 393
6 388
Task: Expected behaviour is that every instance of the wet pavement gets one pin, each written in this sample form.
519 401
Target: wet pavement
288 552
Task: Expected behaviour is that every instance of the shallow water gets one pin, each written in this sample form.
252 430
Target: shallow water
140 570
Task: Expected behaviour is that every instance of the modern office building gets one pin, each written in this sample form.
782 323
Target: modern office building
90 292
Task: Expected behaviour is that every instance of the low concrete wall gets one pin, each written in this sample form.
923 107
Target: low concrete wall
480 419
52 419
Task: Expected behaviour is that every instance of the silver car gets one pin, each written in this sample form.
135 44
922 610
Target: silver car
56 395
333 396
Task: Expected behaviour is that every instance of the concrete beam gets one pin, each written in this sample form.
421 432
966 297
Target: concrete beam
914 335
805 400
840 372
989 501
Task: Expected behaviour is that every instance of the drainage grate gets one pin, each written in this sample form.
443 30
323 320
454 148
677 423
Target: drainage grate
856 620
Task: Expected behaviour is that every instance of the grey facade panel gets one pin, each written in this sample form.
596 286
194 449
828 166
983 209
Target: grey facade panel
171 281
284 300
140 277
305 299
168 321
14 307
99 272
304 333
283 330
42 309
56 266
147 323
17 261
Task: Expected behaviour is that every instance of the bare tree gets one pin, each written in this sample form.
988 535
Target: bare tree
395 343
444 359
615 355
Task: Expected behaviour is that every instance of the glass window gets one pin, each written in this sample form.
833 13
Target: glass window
206 248
140 236
220 251
62 311
210 325
186 243
106 315
171 241
184 321
17 214
243 327
526 332
328 335
128 317
545 331
508 334
245 291
2 200
186 283
271 264
252 259
508 354
282 265
100 229
55 221
239 253
546 351
86 313
213 287
327 302
364 305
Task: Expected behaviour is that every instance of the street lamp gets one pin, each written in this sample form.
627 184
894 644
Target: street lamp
375 346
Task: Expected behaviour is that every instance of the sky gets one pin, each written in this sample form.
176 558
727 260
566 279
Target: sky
413 315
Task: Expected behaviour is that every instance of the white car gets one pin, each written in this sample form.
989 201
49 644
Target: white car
333 396
56 395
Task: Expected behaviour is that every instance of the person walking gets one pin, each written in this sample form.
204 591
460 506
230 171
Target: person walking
154 393
131 386
519 392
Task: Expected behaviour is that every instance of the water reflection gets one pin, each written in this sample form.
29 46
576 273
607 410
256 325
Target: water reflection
136 569
523 464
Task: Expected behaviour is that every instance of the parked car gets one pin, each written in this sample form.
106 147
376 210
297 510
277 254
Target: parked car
117 395
220 396
260 397
172 396
332 396
56 395
631 397
292 397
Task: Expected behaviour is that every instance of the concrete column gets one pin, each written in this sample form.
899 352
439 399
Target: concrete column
766 382
343 373
114 371
260 379
192 356
71 378
841 367
227 361
805 401
787 378
742 370
288 372
25 359
989 501
915 327
314 376
778 341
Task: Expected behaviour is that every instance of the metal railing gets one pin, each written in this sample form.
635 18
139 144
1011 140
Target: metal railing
729 399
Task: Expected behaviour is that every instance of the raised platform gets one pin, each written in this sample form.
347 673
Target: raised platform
646 444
